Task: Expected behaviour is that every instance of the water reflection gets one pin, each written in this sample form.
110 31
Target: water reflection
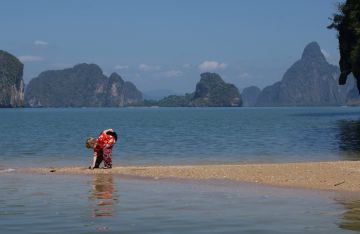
349 138
351 216
104 193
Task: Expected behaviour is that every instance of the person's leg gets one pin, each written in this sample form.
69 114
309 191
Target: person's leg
99 159
107 153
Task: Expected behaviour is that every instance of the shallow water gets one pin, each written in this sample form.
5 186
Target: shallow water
181 135
112 204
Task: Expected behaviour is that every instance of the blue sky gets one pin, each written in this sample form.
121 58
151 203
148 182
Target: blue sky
166 44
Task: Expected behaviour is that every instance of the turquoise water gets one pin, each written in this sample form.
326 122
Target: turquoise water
51 203
104 203
181 135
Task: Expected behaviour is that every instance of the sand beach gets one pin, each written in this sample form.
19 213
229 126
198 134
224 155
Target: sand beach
333 175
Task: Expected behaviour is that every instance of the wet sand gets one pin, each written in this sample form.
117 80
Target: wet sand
337 175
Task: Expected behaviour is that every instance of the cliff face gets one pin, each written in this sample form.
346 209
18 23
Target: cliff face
11 82
249 95
120 92
210 91
309 81
84 85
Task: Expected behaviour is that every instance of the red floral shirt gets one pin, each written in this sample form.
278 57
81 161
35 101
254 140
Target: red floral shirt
104 141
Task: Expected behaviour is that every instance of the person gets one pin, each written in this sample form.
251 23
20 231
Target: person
102 148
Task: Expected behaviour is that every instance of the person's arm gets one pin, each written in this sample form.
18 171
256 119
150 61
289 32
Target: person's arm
94 160
108 130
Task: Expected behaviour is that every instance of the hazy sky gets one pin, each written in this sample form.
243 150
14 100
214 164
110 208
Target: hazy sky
166 44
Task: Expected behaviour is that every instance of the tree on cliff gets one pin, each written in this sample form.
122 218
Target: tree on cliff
347 23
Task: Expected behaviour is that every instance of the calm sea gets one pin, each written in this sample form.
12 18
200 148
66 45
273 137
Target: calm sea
113 204
110 204
181 135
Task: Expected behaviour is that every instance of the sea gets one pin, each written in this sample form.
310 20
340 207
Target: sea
52 137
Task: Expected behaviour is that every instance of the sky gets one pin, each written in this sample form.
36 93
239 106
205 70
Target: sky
167 44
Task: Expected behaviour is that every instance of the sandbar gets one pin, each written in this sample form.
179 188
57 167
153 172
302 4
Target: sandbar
333 175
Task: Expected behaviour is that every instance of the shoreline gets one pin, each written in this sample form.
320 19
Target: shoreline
332 175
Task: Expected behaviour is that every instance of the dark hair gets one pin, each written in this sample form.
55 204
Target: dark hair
112 134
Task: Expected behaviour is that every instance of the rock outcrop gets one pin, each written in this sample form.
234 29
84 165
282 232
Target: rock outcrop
84 85
211 91
11 81
249 95
311 81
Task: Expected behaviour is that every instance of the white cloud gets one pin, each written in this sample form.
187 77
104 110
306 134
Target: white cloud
121 67
30 58
212 66
40 43
148 68
172 73
325 53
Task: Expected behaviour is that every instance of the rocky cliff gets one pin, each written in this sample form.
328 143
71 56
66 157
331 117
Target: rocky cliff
84 85
309 81
120 92
11 81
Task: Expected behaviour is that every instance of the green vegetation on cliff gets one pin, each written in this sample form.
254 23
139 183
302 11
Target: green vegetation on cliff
347 23
11 82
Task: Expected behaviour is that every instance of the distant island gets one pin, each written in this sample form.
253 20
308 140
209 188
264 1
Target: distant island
84 85
210 91
310 81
